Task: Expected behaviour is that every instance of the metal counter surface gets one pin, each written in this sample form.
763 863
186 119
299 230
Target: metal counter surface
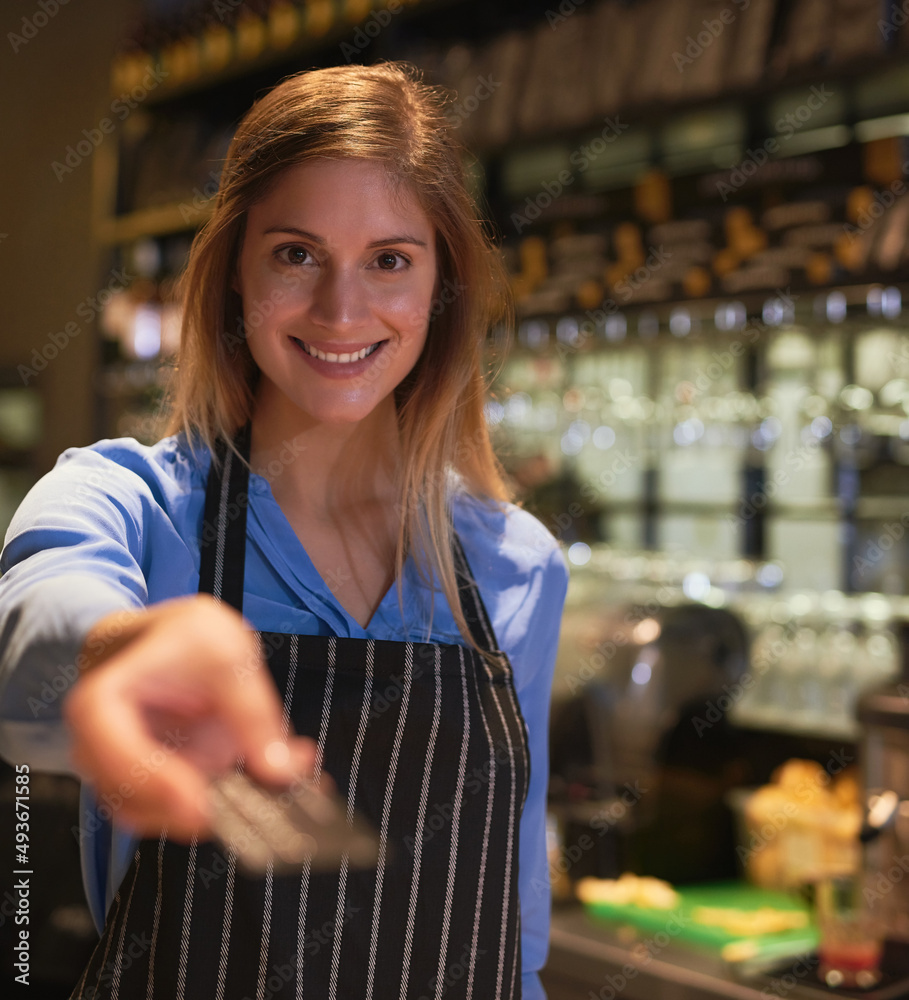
595 960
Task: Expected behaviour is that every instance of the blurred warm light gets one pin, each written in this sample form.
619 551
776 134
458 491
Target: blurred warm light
646 631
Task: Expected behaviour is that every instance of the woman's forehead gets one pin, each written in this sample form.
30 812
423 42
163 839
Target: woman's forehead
348 193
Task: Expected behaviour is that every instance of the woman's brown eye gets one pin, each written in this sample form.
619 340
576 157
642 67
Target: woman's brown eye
388 261
296 255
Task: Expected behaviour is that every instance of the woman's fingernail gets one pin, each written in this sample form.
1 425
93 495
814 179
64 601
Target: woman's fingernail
277 754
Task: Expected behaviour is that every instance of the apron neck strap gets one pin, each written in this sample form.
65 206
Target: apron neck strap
472 606
223 541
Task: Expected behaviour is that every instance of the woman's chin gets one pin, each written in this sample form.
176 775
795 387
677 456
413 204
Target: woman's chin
345 413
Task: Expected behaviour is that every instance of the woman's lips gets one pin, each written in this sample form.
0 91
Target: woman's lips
345 361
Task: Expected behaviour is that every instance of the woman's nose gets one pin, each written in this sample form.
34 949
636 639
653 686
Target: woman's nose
340 300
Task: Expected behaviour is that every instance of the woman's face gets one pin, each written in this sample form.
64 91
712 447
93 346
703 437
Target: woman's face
337 274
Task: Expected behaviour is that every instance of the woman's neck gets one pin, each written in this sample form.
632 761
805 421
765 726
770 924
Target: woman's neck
325 468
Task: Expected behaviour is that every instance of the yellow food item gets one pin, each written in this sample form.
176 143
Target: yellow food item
803 826
650 893
739 951
766 920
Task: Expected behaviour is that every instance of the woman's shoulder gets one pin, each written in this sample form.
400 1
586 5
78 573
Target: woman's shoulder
169 463
501 535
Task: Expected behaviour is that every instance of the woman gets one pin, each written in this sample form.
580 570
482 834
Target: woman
330 476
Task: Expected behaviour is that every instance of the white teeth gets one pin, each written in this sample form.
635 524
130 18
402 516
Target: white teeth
342 359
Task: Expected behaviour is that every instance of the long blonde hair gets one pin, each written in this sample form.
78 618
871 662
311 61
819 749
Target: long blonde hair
386 113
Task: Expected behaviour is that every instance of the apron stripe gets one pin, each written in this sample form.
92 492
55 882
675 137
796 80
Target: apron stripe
421 820
455 832
386 810
361 732
291 680
222 526
317 774
326 710
510 842
269 877
156 922
187 920
351 796
517 721
490 800
266 933
301 931
118 963
225 925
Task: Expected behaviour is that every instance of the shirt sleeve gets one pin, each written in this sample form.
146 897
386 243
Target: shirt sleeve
534 664
74 552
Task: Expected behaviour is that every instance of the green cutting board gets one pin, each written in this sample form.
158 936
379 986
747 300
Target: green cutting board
679 924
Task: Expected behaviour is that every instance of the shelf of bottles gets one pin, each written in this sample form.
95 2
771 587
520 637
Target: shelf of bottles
754 456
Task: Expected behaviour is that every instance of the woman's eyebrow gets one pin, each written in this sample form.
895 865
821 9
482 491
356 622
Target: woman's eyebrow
320 240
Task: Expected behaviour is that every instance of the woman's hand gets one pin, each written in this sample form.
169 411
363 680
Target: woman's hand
170 697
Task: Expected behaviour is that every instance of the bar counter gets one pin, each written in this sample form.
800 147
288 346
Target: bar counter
591 959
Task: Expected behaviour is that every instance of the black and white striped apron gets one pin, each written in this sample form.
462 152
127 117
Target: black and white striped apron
428 742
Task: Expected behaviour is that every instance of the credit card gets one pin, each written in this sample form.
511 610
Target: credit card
288 827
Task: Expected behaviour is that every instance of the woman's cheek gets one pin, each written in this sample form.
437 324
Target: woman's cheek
410 311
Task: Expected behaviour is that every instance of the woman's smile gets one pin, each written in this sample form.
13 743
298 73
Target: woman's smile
341 361
337 353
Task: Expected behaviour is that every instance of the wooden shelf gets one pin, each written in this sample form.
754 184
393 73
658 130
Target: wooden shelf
160 220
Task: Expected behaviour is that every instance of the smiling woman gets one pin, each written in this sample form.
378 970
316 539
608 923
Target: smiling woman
350 324
328 481
390 133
